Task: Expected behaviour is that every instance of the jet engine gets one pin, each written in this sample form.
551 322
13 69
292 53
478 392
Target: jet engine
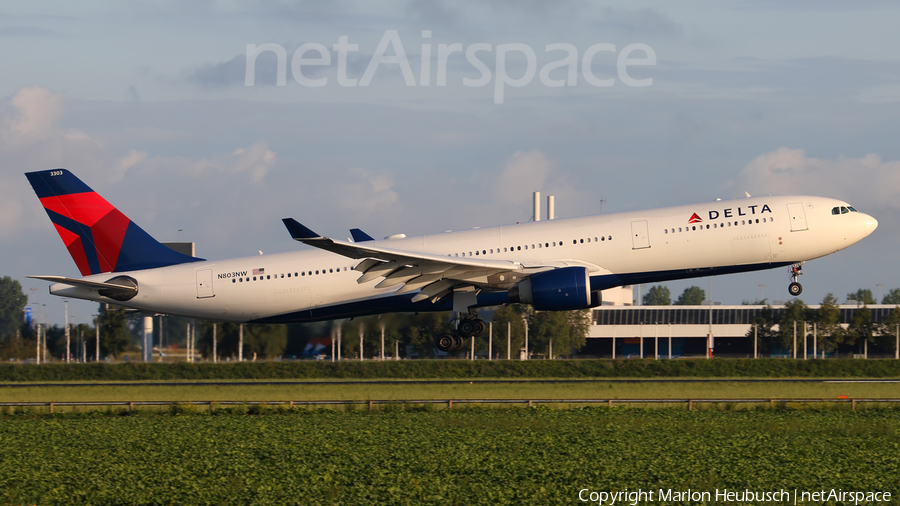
563 289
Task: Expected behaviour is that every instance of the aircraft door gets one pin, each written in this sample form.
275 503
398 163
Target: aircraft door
639 236
798 217
204 284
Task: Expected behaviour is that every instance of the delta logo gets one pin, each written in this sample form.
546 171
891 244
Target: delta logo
730 212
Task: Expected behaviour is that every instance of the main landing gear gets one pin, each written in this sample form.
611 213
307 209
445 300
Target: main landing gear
795 288
467 327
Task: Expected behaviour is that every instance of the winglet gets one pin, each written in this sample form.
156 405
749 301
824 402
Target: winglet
299 232
360 236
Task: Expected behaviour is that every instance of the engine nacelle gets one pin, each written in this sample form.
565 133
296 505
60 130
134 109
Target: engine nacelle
562 289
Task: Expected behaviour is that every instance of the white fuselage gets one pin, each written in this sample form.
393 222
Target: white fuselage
622 248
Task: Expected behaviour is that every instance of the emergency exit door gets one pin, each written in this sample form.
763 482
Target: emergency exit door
798 217
640 238
204 284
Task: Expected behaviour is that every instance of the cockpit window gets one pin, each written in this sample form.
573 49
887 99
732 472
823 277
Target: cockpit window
835 210
843 210
852 210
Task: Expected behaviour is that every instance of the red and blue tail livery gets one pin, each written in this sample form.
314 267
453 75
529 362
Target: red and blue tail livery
98 236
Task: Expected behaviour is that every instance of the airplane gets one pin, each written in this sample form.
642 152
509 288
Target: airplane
553 265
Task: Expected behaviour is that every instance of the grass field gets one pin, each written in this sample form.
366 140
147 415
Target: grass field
476 390
494 456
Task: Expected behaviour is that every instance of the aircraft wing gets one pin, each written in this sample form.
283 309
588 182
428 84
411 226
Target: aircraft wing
435 275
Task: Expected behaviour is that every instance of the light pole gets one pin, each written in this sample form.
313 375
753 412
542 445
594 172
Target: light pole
880 286
762 292
525 321
710 344
66 322
97 330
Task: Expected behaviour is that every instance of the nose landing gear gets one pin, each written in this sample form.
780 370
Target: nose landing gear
795 288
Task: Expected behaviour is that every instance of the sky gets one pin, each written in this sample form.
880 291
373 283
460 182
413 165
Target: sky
420 116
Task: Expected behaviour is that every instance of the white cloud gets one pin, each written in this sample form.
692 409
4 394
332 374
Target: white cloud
256 160
35 113
868 181
128 161
523 173
368 192
31 138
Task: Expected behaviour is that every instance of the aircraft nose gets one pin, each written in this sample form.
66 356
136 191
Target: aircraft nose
869 223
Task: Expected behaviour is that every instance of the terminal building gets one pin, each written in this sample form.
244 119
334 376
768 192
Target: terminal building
681 331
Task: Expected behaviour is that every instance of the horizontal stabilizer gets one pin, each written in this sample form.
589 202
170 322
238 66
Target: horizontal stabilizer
120 288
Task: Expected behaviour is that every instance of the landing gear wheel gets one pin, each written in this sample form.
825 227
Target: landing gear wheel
795 289
480 327
458 343
468 328
445 342
471 327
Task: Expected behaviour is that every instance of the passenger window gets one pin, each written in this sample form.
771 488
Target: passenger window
240 280
582 241
483 252
518 248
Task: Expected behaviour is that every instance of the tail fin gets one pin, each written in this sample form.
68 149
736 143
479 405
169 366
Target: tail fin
97 235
